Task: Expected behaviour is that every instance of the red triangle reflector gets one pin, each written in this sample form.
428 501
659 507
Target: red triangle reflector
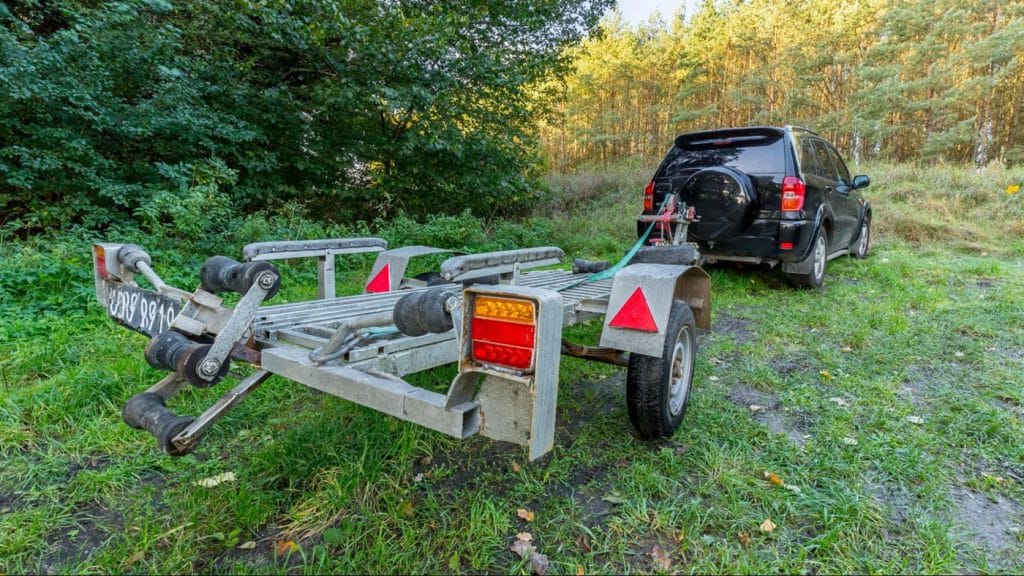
635 314
382 281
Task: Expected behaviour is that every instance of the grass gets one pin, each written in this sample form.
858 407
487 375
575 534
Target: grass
821 388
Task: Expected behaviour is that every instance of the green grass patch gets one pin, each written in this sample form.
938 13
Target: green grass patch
889 403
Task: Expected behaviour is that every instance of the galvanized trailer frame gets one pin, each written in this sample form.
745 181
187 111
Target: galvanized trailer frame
346 346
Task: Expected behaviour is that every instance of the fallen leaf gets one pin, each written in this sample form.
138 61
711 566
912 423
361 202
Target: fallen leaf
850 441
406 508
426 460
524 536
682 449
136 557
793 488
825 375
767 525
958 354
515 467
525 514
522 548
418 478
216 480
1013 189
839 401
915 419
614 498
579 570
583 542
660 559
285 547
755 408
744 538
712 378
539 564
774 478
846 349
251 544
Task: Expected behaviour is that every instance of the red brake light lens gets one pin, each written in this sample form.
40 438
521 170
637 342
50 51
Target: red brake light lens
503 332
99 259
649 196
793 192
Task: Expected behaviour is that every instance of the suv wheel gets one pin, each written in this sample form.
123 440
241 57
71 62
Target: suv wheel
819 257
864 240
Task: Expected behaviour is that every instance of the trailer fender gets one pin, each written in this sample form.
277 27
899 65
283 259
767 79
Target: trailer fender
508 363
641 301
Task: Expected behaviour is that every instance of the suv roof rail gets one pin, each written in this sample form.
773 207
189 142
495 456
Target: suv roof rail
801 128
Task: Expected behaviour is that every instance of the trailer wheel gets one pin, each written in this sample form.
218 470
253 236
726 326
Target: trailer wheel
657 389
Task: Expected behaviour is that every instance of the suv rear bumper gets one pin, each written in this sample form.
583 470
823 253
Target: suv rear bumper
762 241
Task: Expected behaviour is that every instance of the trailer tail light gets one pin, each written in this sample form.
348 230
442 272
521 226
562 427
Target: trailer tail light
793 192
99 260
649 197
503 332
785 246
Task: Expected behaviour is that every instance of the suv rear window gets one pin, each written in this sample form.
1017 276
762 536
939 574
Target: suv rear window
753 153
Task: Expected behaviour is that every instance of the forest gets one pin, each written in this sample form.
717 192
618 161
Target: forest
177 115
896 80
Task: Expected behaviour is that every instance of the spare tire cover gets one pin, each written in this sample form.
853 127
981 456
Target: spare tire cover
723 199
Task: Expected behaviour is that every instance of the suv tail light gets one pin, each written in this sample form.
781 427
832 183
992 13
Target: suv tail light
649 196
793 191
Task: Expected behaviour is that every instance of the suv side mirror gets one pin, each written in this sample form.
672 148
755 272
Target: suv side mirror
861 181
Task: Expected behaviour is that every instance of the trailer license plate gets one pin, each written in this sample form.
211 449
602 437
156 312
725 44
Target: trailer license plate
141 310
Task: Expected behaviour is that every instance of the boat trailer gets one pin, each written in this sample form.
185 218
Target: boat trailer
499 316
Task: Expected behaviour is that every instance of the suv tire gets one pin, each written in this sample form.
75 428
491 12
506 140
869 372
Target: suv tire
819 258
860 251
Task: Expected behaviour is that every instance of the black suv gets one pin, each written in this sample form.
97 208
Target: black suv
766 195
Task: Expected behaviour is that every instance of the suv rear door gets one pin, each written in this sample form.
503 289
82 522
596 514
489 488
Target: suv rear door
848 215
826 180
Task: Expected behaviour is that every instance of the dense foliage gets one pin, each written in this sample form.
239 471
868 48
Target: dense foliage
180 112
906 80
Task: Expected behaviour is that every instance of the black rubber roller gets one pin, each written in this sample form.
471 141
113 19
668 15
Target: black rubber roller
147 411
130 255
174 352
581 266
223 274
407 315
433 314
418 313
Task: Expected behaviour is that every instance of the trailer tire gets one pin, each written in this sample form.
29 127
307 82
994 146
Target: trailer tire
658 388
